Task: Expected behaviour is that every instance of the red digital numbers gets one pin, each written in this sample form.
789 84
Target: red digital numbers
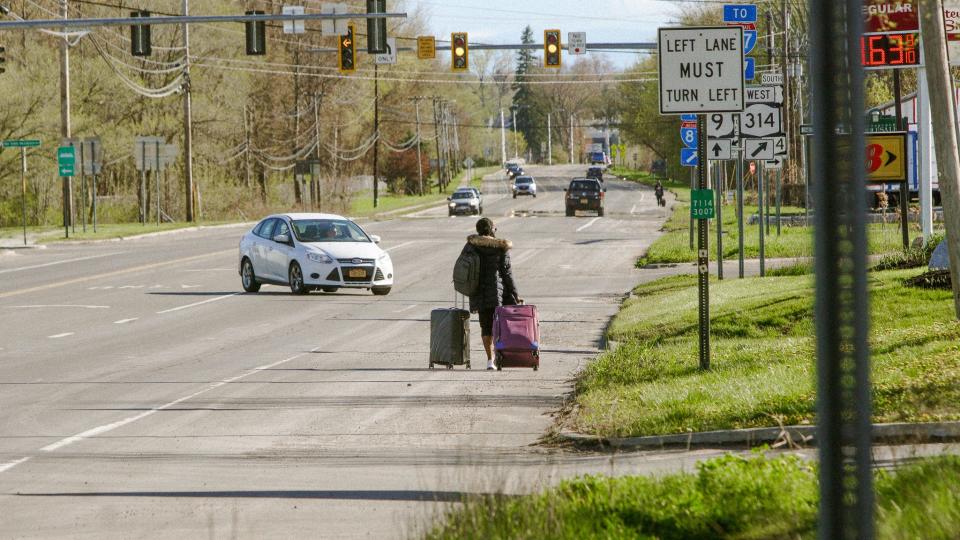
889 50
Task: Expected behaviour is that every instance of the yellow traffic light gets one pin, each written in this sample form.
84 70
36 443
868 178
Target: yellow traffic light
460 48
347 55
552 55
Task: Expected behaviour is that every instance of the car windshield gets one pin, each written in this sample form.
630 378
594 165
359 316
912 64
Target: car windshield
584 186
463 195
525 180
328 230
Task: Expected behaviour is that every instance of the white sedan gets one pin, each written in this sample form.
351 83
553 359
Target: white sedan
313 251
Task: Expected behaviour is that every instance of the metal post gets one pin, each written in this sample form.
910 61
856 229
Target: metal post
93 185
419 151
703 255
927 150
841 303
760 180
740 209
67 182
571 139
550 138
693 185
718 186
83 191
516 143
23 190
156 179
923 143
143 183
503 138
187 122
766 200
246 145
314 170
376 134
779 197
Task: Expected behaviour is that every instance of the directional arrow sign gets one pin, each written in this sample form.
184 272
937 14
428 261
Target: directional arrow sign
887 157
719 149
774 164
759 149
688 157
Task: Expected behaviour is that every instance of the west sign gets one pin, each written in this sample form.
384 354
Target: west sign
701 70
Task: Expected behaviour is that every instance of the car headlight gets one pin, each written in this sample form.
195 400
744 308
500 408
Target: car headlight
453 205
321 258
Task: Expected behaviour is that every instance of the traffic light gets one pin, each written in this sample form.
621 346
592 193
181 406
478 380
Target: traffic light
551 49
348 52
256 33
140 36
461 51
376 28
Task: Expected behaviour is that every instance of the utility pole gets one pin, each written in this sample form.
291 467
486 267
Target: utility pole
297 187
550 138
787 105
246 145
376 134
571 139
416 101
516 144
436 132
65 119
316 189
503 138
187 120
945 133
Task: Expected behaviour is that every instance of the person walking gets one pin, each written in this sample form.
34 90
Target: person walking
658 191
496 287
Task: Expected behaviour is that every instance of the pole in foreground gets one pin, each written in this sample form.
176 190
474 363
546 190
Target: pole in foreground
23 190
703 253
841 303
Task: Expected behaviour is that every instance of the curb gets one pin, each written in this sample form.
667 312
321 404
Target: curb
791 436
149 234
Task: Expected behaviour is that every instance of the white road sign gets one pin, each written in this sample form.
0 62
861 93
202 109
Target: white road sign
330 27
701 69
389 57
577 42
719 149
760 120
771 78
758 149
293 27
774 164
722 126
779 145
764 94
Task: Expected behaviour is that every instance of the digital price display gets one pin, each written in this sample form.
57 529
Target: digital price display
890 50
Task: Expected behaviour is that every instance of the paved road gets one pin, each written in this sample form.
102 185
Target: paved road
142 395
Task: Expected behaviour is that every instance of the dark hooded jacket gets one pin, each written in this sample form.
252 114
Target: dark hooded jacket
496 279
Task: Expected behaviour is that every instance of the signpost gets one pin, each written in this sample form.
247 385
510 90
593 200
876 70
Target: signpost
23 145
701 72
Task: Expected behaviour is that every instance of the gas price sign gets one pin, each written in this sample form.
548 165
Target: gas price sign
890 50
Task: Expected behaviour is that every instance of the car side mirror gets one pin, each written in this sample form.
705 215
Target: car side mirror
282 238
375 238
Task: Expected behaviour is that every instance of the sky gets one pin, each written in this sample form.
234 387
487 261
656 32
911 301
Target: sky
502 21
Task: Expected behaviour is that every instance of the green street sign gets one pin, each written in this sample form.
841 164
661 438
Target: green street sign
66 160
701 204
26 143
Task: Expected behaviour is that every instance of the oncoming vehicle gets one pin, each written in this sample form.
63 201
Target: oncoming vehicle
313 252
584 194
514 170
465 201
524 185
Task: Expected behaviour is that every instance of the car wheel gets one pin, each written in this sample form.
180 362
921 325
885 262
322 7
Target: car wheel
296 279
381 291
330 289
247 277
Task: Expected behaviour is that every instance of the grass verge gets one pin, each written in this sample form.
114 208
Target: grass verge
792 242
729 497
763 358
105 231
362 205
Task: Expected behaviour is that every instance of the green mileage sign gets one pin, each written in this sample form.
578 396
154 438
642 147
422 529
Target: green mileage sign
701 204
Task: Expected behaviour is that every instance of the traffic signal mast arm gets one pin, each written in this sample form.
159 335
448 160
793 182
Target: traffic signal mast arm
190 19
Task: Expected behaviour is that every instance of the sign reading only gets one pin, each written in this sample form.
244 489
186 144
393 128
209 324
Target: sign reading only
701 69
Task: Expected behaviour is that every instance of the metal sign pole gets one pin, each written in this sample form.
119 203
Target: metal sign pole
718 187
779 197
83 191
740 209
23 190
93 169
143 183
703 255
693 185
156 180
760 193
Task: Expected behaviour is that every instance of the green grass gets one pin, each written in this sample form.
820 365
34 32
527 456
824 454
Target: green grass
674 245
362 205
734 497
105 231
763 358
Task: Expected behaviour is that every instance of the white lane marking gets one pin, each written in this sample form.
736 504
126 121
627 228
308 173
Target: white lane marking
589 224
408 308
188 306
125 321
55 263
131 287
63 335
7 466
633 210
99 430
58 306
398 246
642 195
212 270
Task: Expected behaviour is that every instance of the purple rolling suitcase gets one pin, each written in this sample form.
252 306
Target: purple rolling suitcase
516 337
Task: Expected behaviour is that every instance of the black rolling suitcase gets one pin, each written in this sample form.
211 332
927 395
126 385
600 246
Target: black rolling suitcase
450 337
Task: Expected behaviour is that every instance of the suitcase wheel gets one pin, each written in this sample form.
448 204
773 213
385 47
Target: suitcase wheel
449 366
535 368
468 365
431 365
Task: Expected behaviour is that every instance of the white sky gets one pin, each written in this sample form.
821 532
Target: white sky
503 21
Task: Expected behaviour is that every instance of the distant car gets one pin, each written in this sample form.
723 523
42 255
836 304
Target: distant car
524 185
313 251
584 194
595 172
514 170
465 201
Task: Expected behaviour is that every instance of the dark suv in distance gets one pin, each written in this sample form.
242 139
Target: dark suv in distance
584 194
595 172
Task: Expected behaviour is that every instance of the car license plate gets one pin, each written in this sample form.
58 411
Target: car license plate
357 273
583 201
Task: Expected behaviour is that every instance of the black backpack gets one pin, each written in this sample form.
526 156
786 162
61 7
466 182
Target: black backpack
466 272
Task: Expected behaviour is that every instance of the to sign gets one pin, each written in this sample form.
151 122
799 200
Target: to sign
740 13
426 47
886 157
701 204
701 70
577 42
